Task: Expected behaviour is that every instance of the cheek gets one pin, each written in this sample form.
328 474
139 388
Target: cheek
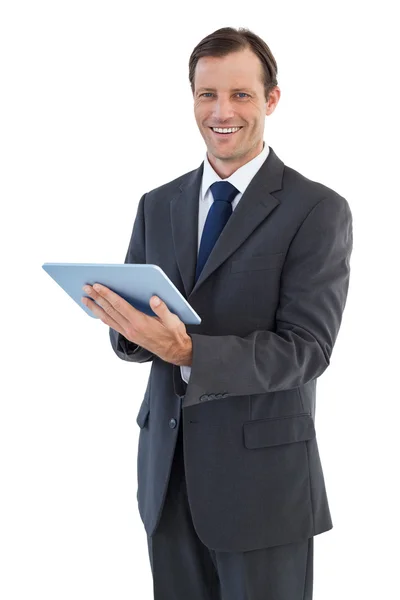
199 116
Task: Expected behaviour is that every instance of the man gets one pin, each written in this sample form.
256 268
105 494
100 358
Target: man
230 484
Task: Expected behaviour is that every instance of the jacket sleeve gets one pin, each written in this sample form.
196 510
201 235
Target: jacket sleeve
313 293
136 254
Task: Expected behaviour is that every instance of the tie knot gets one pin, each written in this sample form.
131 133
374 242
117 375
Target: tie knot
223 190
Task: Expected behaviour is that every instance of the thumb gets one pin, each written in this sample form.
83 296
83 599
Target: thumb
156 304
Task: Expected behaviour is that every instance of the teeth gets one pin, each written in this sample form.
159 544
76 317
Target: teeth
230 130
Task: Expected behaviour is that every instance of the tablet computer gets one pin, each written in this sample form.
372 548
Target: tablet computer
135 283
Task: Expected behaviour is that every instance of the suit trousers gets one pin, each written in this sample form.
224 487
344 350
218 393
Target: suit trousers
183 568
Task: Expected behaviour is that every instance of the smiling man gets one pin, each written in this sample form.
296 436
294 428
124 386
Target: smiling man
230 107
230 484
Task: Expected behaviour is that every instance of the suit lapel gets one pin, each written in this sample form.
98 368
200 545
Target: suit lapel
255 205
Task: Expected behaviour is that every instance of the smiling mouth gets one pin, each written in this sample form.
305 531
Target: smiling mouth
225 134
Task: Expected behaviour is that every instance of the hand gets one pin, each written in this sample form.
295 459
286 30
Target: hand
164 335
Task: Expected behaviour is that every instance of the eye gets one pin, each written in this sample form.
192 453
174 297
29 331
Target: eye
210 93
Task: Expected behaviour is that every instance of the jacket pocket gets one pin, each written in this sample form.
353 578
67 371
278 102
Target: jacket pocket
143 414
278 430
256 263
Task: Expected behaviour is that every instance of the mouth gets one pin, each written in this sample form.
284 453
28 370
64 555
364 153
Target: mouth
218 134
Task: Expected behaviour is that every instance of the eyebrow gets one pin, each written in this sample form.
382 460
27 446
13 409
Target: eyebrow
241 89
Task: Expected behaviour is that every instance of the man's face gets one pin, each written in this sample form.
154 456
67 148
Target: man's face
229 93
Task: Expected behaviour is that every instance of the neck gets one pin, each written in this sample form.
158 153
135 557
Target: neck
225 168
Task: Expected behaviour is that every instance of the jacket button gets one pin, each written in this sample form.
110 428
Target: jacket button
172 423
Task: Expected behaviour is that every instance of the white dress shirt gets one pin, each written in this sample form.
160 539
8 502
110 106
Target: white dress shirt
240 179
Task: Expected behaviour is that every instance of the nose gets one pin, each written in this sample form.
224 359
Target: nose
223 110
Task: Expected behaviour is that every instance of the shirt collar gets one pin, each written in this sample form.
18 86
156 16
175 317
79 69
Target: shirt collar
240 178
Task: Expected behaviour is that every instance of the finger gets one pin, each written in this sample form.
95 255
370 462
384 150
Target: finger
112 304
103 316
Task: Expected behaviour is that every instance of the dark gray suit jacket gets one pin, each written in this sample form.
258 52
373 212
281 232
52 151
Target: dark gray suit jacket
271 298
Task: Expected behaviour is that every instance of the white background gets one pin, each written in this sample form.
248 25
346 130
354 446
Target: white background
96 110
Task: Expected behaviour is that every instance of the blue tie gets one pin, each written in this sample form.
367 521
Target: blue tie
221 209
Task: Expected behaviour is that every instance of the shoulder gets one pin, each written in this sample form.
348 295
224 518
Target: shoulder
299 188
167 189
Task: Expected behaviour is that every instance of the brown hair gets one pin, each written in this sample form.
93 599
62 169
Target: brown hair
226 40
